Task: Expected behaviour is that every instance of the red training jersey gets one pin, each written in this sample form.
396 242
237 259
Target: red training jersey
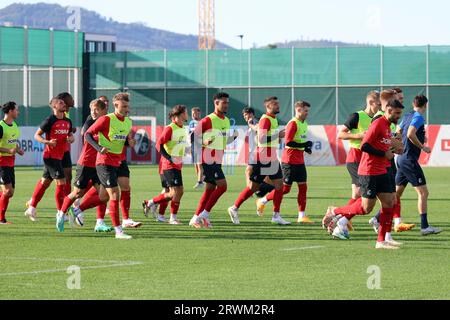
88 154
102 126
266 154
292 156
58 129
177 161
379 137
209 156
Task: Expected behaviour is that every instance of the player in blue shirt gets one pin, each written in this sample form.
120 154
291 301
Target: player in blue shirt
409 171
196 115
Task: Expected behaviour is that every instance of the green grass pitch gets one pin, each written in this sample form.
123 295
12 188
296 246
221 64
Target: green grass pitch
254 260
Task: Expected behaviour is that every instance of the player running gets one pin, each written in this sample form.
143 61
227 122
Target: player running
354 130
399 226
58 131
267 164
212 133
378 148
293 162
9 138
249 116
112 130
409 170
171 145
196 115
86 174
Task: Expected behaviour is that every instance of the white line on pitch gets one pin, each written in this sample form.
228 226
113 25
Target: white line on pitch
303 248
112 264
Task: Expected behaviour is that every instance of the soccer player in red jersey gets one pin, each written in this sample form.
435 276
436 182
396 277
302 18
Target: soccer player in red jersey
213 134
67 159
86 174
267 164
58 131
9 135
354 130
123 175
293 162
378 149
113 130
171 145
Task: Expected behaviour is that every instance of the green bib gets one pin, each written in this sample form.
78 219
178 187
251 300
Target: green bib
118 133
363 125
218 133
393 126
177 145
301 134
10 137
273 129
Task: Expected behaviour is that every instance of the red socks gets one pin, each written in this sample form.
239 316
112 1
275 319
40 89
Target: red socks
277 198
125 200
215 196
349 211
67 187
157 200
114 212
301 198
271 195
38 193
91 200
101 211
60 193
247 193
385 223
66 204
174 206
398 209
162 207
203 200
4 201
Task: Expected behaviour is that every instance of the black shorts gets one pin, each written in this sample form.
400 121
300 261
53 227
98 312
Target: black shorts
352 169
123 171
261 171
373 185
164 183
53 169
392 171
67 160
212 173
410 171
294 173
7 176
84 175
173 178
107 176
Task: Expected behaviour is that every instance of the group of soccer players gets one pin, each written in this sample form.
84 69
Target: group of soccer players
103 177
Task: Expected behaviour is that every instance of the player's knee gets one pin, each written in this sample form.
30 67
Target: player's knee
8 193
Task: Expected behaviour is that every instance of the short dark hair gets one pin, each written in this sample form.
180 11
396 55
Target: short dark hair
197 109
397 90
420 101
98 104
302 104
67 98
247 110
269 99
220 96
394 103
177 110
7 107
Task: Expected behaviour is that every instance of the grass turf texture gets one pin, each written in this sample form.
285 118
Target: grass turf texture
255 260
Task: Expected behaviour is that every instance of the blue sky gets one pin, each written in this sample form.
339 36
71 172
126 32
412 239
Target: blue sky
399 22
